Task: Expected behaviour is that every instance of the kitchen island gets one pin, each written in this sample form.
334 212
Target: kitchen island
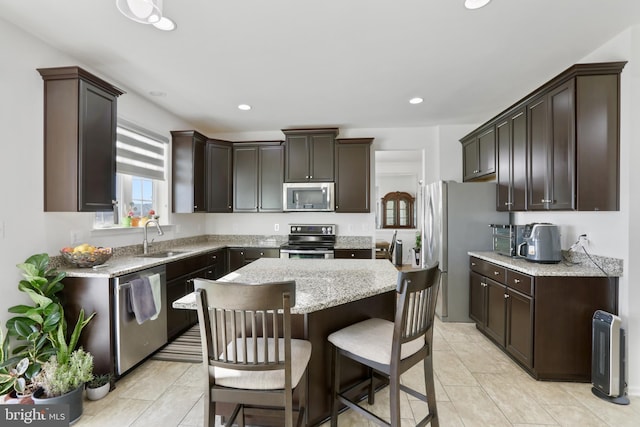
330 294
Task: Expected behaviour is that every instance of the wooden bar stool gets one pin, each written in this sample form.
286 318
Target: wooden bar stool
248 354
389 349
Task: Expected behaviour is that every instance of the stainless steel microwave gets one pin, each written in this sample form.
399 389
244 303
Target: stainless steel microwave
308 196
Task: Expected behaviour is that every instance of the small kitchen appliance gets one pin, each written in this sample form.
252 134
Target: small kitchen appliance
310 241
507 238
541 243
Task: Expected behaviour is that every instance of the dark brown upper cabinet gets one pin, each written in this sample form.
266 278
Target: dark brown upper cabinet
258 176
219 175
551 168
511 159
479 155
572 143
309 155
353 175
80 118
188 169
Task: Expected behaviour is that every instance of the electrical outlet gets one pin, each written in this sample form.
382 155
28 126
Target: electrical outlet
276 227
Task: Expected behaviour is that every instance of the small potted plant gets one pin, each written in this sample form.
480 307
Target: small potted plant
418 247
99 386
61 381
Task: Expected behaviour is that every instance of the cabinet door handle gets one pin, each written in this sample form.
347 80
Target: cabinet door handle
496 273
546 201
473 264
516 281
508 203
306 176
352 255
261 253
483 284
506 296
195 207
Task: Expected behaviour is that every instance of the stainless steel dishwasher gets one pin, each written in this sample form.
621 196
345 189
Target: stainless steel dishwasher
134 342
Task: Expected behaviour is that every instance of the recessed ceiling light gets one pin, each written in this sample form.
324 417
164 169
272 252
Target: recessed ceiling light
416 100
475 4
157 93
244 107
165 24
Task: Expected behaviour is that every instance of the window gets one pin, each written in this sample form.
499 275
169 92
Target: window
140 174
398 210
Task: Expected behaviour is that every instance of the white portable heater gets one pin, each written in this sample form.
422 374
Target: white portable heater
607 358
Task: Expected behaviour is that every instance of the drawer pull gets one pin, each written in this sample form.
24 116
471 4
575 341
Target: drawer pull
473 264
516 280
496 273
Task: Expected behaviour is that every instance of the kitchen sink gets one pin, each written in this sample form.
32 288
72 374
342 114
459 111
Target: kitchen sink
165 254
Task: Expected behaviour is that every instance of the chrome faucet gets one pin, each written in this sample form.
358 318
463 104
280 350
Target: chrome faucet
145 243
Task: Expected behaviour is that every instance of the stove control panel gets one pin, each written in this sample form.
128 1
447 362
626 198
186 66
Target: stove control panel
313 229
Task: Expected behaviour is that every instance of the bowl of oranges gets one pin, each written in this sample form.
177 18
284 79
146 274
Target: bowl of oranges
86 255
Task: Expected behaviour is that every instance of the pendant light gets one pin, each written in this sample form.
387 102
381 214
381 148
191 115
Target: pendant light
475 4
146 12
142 11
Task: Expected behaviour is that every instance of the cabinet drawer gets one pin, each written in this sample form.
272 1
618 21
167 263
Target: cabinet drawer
251 254
520 282
352 253
488 269
186 265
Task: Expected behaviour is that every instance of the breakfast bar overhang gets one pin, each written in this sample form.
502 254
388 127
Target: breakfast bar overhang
330 294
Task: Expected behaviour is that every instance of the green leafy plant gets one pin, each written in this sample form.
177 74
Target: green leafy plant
418 240
40 330
57 378
99 380
11 377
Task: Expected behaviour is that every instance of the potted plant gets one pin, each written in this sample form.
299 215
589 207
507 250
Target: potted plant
61 380
14 386
99 386
417 249
40 330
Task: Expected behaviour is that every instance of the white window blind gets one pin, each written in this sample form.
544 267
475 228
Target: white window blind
140 152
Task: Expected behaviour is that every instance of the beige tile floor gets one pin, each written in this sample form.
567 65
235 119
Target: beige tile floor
476 385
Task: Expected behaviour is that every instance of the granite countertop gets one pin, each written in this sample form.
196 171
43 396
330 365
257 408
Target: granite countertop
320 283
125 264
128 259
575 265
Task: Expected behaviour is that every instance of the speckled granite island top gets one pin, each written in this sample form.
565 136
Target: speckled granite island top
320 283
577 266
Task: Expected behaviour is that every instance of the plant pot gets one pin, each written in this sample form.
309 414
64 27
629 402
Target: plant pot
73 399
14 399
416 254
98 392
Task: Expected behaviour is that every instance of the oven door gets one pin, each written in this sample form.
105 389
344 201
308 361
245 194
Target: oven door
306 253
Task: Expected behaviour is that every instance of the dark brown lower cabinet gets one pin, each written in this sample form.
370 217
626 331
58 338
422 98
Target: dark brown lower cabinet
543 323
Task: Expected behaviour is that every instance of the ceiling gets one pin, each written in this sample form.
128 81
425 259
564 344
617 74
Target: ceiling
342 63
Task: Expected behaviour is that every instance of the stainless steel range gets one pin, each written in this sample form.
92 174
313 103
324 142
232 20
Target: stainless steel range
309 241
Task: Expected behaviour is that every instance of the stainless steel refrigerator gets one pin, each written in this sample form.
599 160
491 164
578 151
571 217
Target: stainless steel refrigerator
455 220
